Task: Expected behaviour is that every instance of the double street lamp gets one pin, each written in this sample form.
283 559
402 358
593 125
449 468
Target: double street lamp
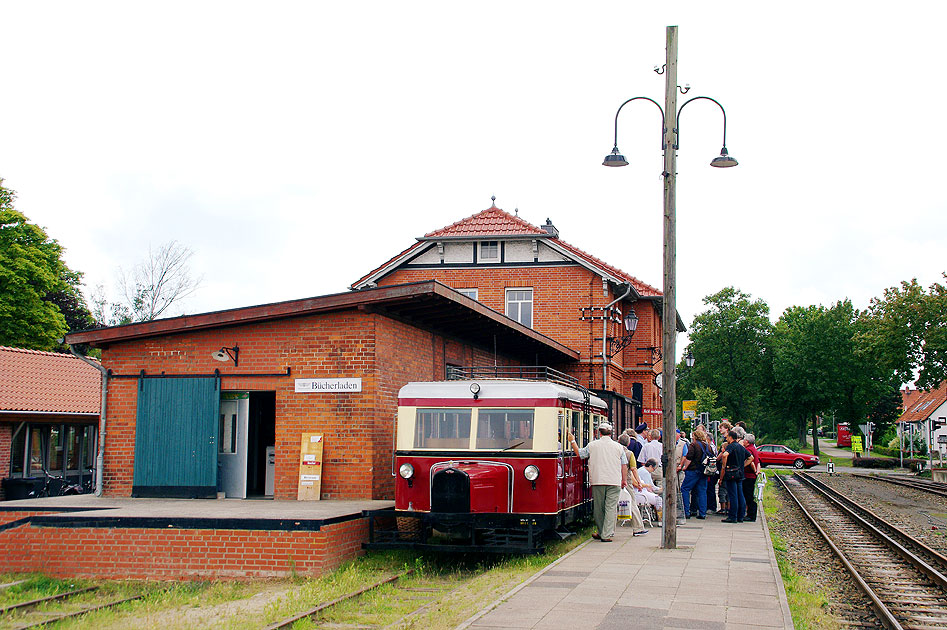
670 136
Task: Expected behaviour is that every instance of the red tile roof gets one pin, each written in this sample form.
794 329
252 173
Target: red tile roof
490 222
36 381
924 404
495 222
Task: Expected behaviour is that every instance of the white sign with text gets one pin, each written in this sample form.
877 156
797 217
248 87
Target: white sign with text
328 385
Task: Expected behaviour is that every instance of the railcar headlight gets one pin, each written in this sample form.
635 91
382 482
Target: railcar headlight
406 471
531 473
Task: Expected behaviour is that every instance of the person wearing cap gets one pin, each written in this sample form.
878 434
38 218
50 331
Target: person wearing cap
607 476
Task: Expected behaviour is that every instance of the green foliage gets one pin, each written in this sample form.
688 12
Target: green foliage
730 341
906 331
40 296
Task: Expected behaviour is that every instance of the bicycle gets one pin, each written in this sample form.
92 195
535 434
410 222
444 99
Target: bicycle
55 486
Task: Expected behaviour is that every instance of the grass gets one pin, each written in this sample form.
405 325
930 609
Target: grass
454 586
807 603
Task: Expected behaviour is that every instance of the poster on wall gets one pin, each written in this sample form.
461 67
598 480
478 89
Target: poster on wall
310 467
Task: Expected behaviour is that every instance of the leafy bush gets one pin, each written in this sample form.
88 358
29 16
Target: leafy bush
793 444
885 451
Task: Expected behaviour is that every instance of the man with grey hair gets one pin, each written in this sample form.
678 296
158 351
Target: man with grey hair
608 465
750 472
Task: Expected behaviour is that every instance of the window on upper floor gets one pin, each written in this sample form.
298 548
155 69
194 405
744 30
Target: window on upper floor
489 251
471 293
519 305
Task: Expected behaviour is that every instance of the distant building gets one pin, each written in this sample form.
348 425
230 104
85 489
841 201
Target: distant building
925 407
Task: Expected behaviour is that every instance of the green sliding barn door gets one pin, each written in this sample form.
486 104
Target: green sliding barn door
176 437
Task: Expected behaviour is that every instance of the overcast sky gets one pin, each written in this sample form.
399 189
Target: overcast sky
296 146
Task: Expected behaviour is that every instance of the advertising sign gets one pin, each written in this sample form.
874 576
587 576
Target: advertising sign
310 467
856 444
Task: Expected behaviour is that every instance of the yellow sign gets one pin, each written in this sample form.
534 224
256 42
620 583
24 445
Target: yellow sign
310 467
690 409
857 444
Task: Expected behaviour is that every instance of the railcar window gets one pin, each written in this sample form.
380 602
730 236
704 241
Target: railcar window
576 427
505 429
442 428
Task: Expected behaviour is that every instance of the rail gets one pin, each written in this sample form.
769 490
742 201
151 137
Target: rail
906 591
923 485
525 372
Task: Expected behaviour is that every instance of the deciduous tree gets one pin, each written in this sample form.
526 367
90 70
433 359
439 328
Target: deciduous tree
729 341
150 288
40 297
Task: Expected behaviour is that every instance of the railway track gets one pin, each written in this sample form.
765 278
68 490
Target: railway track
419 598
923 485
24 615
905 580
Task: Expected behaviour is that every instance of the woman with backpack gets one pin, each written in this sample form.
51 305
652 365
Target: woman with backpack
700 455
732 461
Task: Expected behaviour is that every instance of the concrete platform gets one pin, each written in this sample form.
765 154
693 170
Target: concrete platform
724 577
95 511
175 539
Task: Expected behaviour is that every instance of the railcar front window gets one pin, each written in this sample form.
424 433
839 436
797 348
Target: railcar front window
442 428
505 429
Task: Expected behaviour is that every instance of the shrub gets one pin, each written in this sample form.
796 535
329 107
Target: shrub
885 451
885 462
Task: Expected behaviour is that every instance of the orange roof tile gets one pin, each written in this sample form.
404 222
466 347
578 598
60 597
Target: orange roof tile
36 381
495 222
489 222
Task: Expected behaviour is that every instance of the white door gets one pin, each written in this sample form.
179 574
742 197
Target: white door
232 443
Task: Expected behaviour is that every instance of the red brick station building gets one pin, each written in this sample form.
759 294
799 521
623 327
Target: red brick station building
215 404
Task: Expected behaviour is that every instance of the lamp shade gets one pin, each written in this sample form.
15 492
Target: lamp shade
631 321
615 159
689 359
724 161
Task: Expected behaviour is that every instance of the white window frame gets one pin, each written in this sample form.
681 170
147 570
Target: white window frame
518 318
480 255
471 293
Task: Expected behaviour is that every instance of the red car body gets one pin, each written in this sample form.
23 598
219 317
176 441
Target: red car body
779 455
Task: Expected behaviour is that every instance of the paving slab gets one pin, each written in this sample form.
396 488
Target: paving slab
722 577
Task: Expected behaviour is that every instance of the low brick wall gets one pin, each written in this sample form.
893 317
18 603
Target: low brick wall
176 554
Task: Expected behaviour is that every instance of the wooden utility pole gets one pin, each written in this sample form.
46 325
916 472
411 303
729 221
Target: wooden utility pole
669 314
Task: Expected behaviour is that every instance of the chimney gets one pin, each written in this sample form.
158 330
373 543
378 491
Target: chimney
551 229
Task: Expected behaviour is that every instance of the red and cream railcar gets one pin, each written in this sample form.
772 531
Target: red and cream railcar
480 464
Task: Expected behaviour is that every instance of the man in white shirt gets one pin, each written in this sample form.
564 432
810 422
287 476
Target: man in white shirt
649 493
607 476
653 449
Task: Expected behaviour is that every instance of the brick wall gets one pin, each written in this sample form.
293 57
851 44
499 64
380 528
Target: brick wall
559 295
6 443
177 554
383 352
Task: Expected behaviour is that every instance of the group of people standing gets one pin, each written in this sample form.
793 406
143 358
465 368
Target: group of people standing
730 468
633 462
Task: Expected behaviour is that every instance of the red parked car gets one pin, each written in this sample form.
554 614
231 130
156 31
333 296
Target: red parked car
779 455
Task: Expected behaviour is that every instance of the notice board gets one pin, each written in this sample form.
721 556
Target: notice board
310 467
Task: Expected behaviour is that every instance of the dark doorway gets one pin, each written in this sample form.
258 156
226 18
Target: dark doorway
262 433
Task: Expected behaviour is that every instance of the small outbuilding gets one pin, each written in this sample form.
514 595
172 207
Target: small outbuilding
49 413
